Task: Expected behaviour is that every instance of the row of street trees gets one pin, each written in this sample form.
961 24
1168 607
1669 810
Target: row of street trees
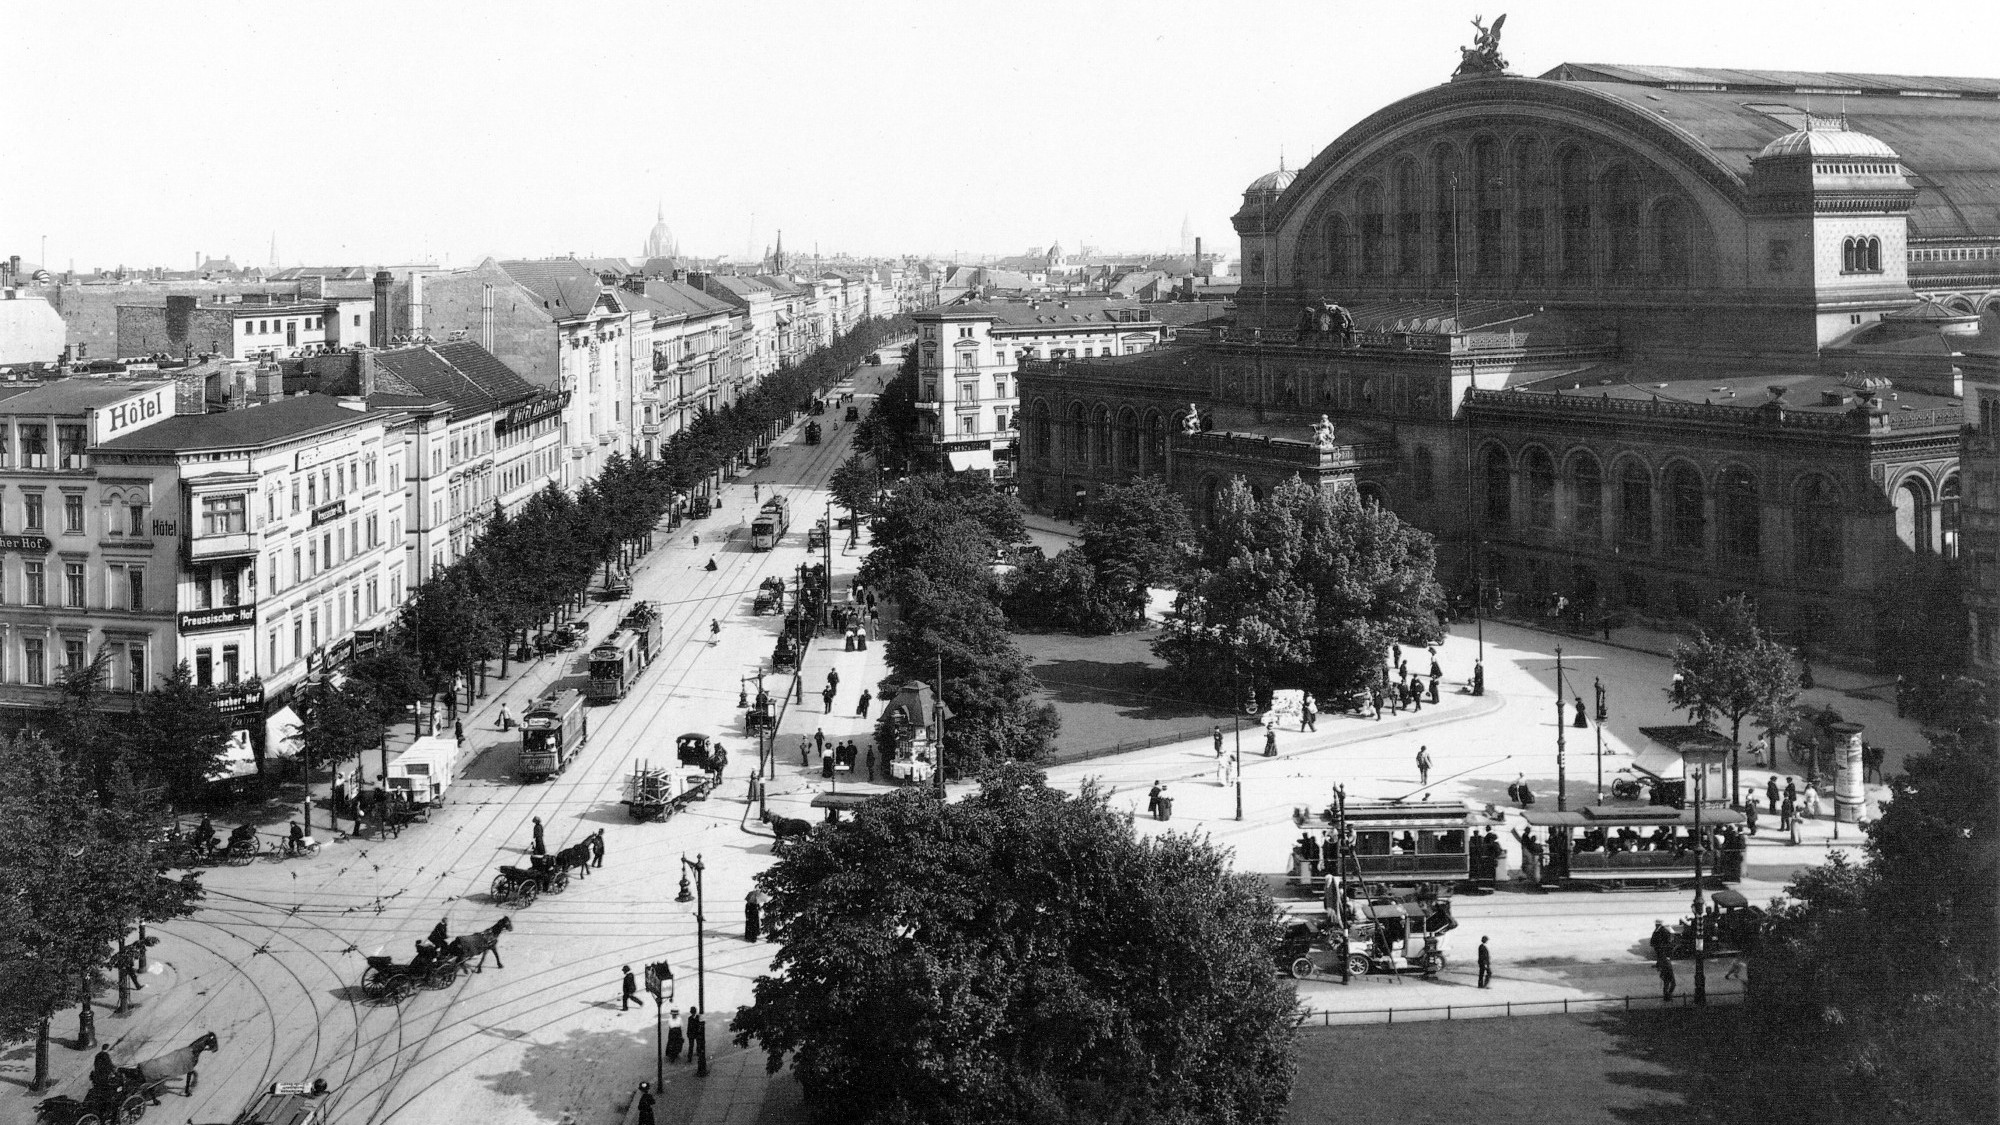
934 544
530 569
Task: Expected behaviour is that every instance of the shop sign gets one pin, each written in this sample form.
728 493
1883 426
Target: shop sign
209 620
326 512
29 543
241 699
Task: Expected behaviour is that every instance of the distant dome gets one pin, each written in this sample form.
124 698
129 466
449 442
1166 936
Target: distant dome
1843 143
1273 181
660 242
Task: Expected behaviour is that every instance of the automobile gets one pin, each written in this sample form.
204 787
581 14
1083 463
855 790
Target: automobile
875 359
766 603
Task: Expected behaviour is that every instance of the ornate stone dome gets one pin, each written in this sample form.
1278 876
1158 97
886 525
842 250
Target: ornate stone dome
1842 143
1273 182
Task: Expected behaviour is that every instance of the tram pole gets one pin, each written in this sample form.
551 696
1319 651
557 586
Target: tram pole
1562 774
700 954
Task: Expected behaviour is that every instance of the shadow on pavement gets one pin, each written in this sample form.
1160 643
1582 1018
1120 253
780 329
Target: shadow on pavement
566 1076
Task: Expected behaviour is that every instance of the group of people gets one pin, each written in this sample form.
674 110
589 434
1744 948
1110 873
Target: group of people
1400 688
1789 803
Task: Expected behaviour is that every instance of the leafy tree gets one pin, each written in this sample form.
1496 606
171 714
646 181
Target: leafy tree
934 508
1063 593
1020 956
1735 670
1874 994
180 735
1306 588
79 865
889 432
83 728
1135 537
853 485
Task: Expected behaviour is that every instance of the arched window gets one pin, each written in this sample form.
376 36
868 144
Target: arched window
1374 228
1875 255
1573 188
1128 438
1816 527
1687 510
1913 515
1101 436
1040 439
1499 487
1635 504
1671 242
1739 517
1540 472
1586 491
1621 219
1529 213
1423 479
1948 517
1409 219
1847 256
1079 434
1336 245
1446 189
1486 197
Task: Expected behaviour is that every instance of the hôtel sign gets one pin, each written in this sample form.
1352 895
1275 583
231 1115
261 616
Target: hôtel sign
127 415
31 544
224 617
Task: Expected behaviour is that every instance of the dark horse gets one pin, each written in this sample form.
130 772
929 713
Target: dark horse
178 1064
467 946
575 856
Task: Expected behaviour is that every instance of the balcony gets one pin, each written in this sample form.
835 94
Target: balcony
202 548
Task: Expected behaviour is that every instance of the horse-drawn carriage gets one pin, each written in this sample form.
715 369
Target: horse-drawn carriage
650 791
388 981
770 596
523 885
812 433
287 1103
122 1094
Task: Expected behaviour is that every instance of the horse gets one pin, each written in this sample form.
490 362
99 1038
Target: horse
467 946
178 1064
790 828
576 855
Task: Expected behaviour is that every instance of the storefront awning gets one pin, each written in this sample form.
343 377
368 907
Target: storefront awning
963 460
238 761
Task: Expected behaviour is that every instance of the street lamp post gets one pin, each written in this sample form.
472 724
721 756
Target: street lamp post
1236 727
1602 712
1699 922
700 961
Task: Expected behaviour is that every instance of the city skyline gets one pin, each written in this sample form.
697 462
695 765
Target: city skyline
447 140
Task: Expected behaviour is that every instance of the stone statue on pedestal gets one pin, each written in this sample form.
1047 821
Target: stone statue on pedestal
1484 56
1323 437
1192 423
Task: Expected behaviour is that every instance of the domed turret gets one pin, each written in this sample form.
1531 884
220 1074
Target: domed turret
1272 183
660 243
1840 143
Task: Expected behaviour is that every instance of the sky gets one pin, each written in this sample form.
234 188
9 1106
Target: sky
146 133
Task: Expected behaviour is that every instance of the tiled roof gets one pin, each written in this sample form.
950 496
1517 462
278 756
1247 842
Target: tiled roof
76 394
279 421
1055 315
686 299
461 373
778 284
566 286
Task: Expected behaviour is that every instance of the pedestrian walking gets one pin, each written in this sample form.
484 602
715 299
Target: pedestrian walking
755 491
1479 677
1437 670
1271 739
826 695
1791 789
1375 701
1514 789
1153 801
697 1038
805 751
1395 655
711 563
451 703
646 1101
1785 811
1527 796
1812 806
819 742
1735 969
1218 740
1308 716
1416 697
506 720
1423 765
540 847
869 755
597 848
1750 815
714 626
675 1036
1667 982
753 906
1434 691
631 993
1485 964
458 731
1662 940
833 678
866 699
1579 721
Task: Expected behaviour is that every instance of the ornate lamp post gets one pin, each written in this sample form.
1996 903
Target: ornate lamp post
700 961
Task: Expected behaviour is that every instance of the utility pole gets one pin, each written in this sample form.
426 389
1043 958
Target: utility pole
700 961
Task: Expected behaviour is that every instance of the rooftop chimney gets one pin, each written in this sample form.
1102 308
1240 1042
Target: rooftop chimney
367 373
378 333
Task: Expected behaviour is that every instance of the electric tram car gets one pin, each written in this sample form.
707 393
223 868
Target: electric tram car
1609 846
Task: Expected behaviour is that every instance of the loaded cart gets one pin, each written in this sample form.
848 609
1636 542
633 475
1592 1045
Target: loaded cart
287 1103
652 794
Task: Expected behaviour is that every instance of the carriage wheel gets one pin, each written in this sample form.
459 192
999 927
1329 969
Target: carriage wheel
527 892
131 1109
559 883
1357 964
88 1119
503 887
441 975
1437 964
1302 968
